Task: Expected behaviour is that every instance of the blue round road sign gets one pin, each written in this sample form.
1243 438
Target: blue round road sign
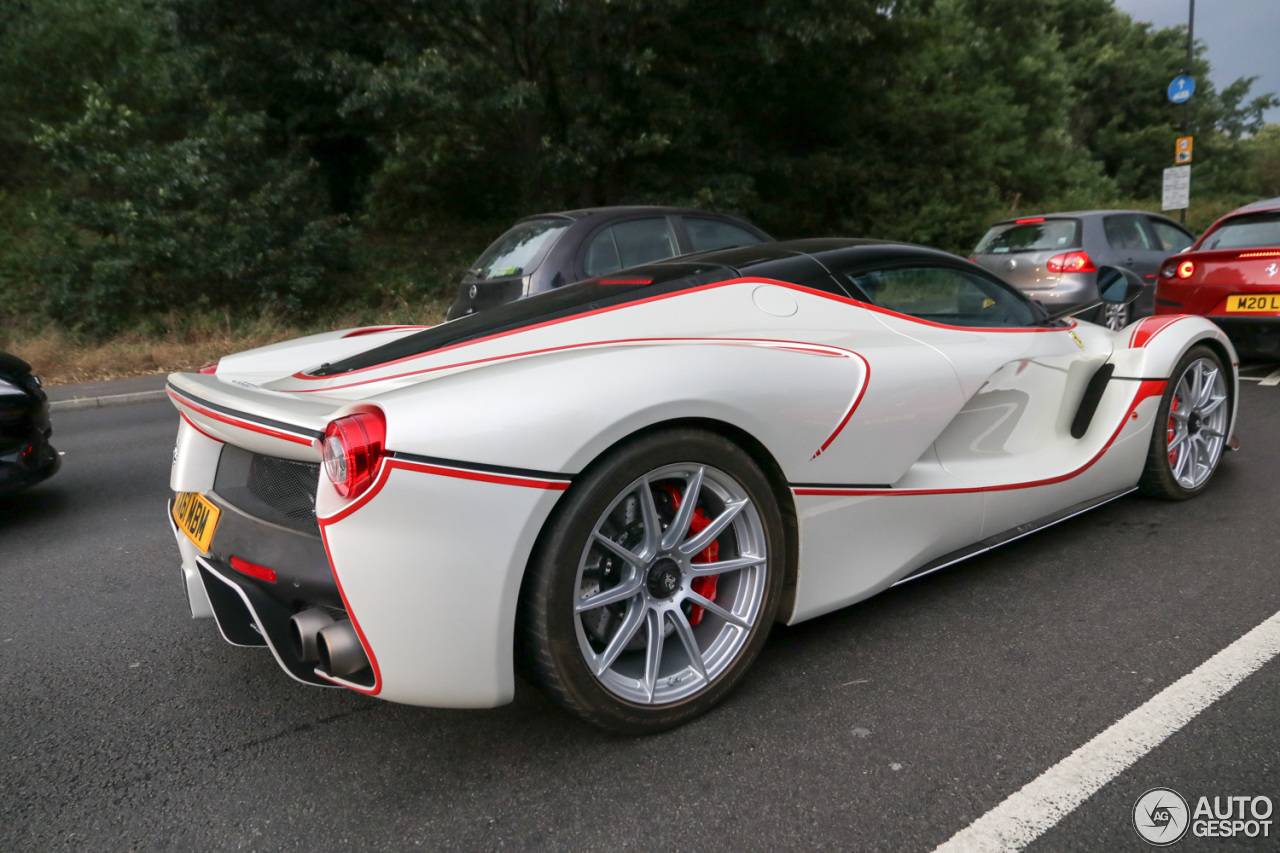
1181 89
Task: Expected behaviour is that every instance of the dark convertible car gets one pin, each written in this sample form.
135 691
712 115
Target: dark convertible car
548 250
26 457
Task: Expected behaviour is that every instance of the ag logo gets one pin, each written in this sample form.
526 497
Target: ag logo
1272 269
473 291
1161 816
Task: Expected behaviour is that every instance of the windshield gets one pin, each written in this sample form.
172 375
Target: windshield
1027 236
520 250
1251 231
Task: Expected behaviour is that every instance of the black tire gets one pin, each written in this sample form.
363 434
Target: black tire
552 634
1159 478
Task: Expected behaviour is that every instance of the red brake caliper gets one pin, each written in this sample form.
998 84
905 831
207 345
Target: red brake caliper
1173 429
704 586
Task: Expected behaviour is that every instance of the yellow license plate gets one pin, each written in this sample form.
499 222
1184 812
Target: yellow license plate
1267 302
196 517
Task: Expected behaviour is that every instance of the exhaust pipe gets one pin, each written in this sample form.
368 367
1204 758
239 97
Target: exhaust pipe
340 651
304 627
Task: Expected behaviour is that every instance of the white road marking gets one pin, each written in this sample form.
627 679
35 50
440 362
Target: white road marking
1273 378
1041 803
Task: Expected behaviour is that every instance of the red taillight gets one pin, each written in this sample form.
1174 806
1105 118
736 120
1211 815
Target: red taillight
352 448
1186 269
1028 221
253 570
209 369
1071 262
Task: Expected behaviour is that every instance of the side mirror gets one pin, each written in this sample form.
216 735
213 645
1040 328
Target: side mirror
1119 286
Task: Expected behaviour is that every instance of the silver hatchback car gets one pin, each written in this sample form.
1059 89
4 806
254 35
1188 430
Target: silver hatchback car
1054 258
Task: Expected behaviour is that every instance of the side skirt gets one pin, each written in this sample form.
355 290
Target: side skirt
1011 535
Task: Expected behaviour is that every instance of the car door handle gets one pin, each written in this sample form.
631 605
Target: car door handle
1128 262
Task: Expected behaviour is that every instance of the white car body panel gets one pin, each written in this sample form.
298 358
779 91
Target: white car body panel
876 421
439 611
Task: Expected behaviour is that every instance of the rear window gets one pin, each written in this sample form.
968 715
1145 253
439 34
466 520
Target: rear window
520 250
1250 231
706 235
629 244
1046 235
1172 238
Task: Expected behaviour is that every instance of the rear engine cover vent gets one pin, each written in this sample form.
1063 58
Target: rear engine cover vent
281 491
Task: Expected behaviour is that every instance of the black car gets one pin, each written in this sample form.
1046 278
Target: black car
547 250
26 457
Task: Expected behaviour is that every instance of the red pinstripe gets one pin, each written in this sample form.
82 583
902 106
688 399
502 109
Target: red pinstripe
1148 388
237 422
384 474
1146 329
193 425
788 285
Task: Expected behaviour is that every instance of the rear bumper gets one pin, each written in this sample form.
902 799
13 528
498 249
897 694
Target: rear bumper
26 463
246 613
1251 335
427 564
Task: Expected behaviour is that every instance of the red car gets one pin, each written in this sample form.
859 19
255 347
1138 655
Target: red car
1231 275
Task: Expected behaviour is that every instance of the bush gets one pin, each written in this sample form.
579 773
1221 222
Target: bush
146 224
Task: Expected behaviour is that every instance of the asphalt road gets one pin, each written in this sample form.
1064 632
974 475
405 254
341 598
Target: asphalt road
890 725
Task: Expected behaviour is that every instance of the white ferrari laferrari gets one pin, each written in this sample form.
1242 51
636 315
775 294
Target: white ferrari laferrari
617 487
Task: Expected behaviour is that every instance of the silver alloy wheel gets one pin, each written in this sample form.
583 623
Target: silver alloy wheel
1115 316
636 577
1197 428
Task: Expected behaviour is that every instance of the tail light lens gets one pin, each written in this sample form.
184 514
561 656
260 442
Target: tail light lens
1071 262
209 369
351 450
1186 269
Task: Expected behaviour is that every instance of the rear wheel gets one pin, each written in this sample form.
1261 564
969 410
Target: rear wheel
1191 428
655 584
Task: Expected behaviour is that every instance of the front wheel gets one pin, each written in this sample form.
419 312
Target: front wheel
1191 428
656 582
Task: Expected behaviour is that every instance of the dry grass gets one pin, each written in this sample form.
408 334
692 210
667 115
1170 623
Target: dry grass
60 358
395 279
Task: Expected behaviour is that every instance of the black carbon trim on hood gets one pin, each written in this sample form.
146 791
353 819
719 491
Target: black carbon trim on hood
565 302
243 416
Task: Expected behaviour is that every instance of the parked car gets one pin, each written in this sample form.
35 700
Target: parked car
1054 258
628 480
550 250
1232 275
26 456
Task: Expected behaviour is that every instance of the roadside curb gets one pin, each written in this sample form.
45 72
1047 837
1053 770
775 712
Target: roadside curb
106 402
